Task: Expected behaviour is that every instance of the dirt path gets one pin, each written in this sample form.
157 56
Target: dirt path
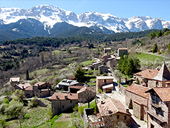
64 117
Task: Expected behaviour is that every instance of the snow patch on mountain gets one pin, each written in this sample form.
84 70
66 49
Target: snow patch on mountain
50 15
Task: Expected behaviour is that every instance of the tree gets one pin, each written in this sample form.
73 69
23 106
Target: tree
169 46
155 48
27 75
79 75
18 95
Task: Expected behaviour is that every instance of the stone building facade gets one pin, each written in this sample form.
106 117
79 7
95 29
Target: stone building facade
107 50
61 102
122 51
86 94
112 111
159 108
154 78
103 80
136 99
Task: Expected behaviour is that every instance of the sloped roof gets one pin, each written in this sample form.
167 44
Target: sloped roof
148 73
76 87
112 105
14 79
61 96
138 90
140 101
39 83
29 88
25 85
84 89
163 74
163 93
104 77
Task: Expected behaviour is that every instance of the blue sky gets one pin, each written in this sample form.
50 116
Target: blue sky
119 8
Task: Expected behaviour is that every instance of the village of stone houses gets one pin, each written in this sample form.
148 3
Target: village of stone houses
106 92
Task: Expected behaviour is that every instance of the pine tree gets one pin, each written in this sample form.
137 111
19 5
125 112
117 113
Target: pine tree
155 48
27 75
79 75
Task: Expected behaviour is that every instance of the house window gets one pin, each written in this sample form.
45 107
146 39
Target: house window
157 84
117 116
105 81
125 117
70 101
62 106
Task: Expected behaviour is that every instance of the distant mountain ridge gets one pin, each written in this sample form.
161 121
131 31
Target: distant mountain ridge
44 20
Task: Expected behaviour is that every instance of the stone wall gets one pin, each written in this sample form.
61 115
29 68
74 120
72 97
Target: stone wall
111 121
59 106
122 89
101 82
86 112
86 95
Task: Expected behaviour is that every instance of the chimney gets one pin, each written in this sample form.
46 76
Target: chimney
109 111
102 102
65 97
57 96
23 87
127 110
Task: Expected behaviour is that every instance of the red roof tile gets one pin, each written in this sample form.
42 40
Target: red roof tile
29 88
148 73
112 105
163 93
61 96
140 101
76 87
138 90
39 83
85 88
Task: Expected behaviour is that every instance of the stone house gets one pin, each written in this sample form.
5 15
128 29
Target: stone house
103 69
27 88
14 80
159 108
74 89
113 111
107 50
136 99
61 102
65 83
122 51
86 94
145 76
154 78
103 81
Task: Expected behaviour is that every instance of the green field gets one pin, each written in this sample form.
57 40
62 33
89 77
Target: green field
145 58
86 63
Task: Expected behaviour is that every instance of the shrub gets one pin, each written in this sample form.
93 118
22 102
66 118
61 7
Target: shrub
14 108
75 109
26 116
33 103
2 123
81 109
50 113
90 72
159 52
18 95
2 108
33 82
99 90
137 81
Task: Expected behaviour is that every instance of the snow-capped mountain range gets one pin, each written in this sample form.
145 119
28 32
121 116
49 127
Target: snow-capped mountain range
48 16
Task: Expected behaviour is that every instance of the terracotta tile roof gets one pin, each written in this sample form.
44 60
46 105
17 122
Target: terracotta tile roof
140 101
25 85
14 79
163 93
76 87
138 90
104 77
84 89
61 96
39 83
111 106
29 88
122 49
163 74
148 73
